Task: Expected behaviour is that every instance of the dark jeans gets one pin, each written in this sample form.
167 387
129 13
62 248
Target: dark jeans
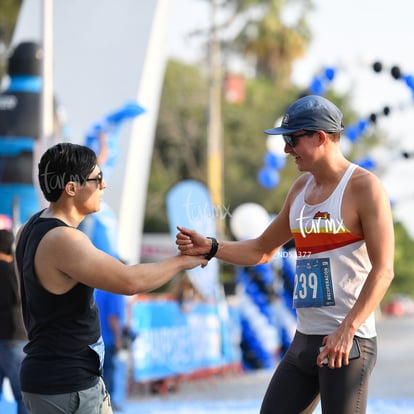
11 356
298 382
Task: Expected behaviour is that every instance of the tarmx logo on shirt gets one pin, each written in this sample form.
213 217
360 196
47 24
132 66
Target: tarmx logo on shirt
321 222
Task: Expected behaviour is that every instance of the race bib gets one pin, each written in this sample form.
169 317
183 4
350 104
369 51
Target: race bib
313 284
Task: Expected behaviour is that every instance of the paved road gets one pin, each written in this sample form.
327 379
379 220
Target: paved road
393 376
392 384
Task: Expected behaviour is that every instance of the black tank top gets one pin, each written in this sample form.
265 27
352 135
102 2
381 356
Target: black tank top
65 348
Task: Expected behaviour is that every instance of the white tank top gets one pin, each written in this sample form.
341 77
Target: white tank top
332 264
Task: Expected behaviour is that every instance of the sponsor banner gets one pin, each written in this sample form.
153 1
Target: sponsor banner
172 342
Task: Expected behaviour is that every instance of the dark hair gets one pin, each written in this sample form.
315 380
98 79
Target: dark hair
6 242
63 163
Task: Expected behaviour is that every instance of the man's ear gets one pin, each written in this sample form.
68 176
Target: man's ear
322 137
70 188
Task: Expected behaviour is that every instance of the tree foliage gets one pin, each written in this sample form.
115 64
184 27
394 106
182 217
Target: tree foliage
273 43
180 145
404 263
9 10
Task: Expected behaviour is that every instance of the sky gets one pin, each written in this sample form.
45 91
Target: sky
349 36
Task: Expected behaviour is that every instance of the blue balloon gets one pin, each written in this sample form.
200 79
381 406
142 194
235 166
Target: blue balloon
129 110
367 163
362 125
409 81
352 133
317 87
275 161
268 177
252 289
330 74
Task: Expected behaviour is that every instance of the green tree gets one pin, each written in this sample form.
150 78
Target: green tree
404 246
9 10
180 145
273 44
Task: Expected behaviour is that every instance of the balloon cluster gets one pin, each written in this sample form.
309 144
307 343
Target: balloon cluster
268 175
354 131
397 74
319 86
274 160
265 328
254 285
260 338
284 312
320 83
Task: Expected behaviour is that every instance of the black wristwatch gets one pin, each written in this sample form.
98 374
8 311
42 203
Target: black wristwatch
213 250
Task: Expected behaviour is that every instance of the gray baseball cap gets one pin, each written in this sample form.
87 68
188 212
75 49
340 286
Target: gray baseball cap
313 113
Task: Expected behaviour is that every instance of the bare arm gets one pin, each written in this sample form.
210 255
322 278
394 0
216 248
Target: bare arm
66 256
245 252
378 230
374 210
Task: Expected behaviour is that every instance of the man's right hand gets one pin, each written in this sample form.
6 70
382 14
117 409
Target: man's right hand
191 243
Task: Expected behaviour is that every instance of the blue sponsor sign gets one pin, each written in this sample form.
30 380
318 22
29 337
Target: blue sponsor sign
171 342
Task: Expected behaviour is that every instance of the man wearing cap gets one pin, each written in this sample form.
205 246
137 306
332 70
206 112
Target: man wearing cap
339 217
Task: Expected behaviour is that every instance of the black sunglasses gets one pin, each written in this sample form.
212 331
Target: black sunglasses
98 179
292 140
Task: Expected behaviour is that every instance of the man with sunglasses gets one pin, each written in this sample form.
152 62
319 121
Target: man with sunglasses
58 269
339 217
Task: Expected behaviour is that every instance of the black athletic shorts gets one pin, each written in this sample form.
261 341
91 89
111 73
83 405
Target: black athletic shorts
298 383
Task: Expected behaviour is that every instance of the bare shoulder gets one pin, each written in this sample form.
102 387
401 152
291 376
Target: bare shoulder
366 193
62 246
364 182
298 185
66 256
365 202
62 238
